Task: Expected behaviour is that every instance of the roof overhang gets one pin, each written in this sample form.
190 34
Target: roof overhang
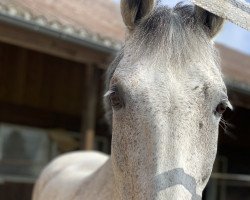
67 34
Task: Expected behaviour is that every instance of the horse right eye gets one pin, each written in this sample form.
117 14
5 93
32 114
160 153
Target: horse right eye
222 107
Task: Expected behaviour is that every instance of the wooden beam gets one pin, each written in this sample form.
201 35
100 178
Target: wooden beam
37 41
89 108
236 11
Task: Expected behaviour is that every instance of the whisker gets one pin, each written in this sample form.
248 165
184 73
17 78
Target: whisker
224 126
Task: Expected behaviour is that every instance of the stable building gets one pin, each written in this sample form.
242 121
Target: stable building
53 60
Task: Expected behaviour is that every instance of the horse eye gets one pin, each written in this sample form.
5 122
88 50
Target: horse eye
221 108
115 99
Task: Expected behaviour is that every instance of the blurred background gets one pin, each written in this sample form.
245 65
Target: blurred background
53 56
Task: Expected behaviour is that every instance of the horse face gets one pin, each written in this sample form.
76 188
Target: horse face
167 97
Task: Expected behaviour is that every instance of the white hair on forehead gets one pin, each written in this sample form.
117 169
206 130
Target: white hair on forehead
171 35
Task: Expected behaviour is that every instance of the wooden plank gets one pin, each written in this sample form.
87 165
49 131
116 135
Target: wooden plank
13 191
236 11
67 87
58 84
89 110
75 83
232 177
20 74
12 73
3 72
34 40
34 77
41 81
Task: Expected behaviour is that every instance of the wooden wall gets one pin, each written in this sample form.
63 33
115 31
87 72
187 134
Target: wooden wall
40 90
44 91
40 81
14 191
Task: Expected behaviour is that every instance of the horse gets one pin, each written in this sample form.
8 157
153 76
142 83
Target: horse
165 97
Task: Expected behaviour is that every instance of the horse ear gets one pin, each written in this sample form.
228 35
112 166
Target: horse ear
134 10
212 22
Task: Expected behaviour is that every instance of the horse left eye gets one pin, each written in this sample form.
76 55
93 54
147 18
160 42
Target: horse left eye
115 99
221 107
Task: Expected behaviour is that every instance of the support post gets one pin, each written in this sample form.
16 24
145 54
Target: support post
90 94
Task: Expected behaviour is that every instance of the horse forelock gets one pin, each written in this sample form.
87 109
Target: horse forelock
175 34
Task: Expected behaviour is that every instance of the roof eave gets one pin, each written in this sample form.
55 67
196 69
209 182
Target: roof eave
92 43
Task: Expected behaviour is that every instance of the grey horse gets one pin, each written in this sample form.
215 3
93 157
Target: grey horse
165 97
